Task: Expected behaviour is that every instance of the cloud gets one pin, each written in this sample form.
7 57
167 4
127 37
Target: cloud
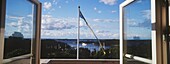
26 28
139 1
30 15
132 22
108 2
47 5
57 34
99 11
102 31
83 25
67 2
96 10
59 6
23 24
101 34
145 24
113 11
54 1
107 34
14 17
105 20
67 28
146 14
13 24
60 27
51 23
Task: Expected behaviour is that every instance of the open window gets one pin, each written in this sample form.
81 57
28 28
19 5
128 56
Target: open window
155 30
136 37
19 31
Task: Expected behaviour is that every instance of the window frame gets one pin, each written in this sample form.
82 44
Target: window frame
155 39
2 28
122 44
36 44
35 50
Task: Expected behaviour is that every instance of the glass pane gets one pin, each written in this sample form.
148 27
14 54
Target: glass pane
18 28
137 26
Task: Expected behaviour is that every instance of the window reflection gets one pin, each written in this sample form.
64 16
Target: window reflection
137 26
18 28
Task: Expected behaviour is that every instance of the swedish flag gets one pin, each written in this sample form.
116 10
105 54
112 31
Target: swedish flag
81 15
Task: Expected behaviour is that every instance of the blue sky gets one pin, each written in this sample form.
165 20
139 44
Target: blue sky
18 18
59 18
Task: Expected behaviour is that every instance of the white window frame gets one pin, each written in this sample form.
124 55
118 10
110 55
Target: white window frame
123 44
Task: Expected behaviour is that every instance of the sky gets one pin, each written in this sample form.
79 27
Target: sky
60 17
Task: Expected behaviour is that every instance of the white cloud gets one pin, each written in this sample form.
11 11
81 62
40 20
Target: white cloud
139 1
67 28
101 34
146 14
54 1
26 28
30 15
99 11
59 6
113 11
57 34
134 23
105 20
13 24
14 17
66 2
51 23
107 34
23 24
101 31
47 5
82 24
108 2
95 8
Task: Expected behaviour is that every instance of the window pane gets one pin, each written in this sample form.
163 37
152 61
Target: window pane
137 26
18 28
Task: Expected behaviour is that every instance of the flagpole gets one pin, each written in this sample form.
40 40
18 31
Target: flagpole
81 16
78 32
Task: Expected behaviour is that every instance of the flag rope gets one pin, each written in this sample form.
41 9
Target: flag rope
81 16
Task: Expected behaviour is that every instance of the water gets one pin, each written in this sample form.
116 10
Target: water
90 45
